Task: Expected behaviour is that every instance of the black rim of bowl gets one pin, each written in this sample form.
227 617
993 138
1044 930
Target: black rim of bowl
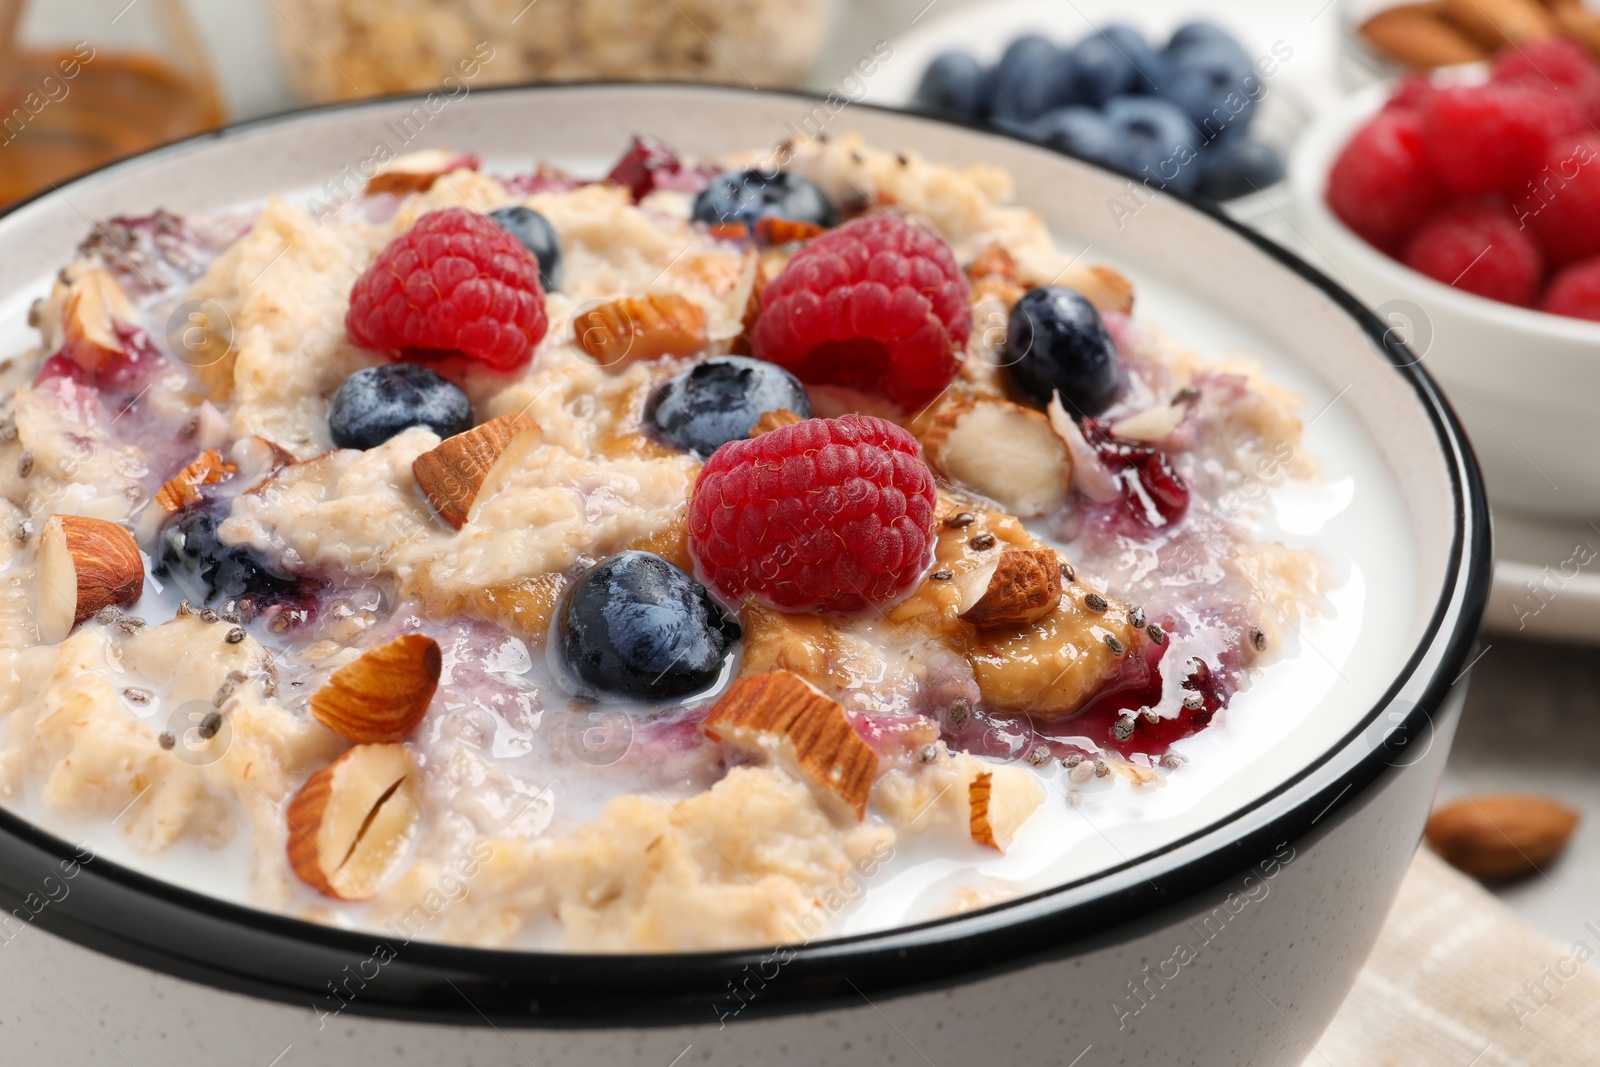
158 924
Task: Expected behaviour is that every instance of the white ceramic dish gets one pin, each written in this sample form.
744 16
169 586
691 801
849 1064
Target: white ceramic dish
1524 383
1326 834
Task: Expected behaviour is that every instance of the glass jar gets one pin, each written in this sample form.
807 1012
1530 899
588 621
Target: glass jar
344 49
83 82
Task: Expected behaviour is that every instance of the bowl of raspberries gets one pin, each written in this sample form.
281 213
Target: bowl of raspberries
1464 207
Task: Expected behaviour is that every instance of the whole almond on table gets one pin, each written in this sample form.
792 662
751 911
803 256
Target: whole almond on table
84 565
1501 836
383 695
1419 35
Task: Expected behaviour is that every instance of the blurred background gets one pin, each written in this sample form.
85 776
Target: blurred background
1303 119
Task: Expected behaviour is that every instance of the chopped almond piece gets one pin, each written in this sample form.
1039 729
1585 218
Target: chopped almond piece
183 488
783 714
772 231
1005 451
84 565
1019 587
350 823
382 696
415 172
772 420
451 474
637 328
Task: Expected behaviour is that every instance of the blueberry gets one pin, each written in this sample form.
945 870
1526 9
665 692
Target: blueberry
1028 79
1155 140
1114 62
954 84
537 236
1082 131
191 556
747 195
1216 87
373 405
1202 32
1055 340
635 625
720 400
1239 168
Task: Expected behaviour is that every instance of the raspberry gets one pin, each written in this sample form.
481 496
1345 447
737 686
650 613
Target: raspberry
1558 63
1381 184
1478 246
877 304
1488 138
1575 291
454 282
1563 203
830 516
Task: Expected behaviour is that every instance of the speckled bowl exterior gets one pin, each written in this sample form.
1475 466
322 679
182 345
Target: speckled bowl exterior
1235 945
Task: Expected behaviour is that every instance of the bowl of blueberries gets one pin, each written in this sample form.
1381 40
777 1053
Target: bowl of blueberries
1197 114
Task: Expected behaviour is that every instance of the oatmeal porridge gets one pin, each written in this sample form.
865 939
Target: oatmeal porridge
727 552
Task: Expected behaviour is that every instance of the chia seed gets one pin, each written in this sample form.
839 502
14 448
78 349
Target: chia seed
1122 729
1039 756
1101 770
1136 617
24 464
1258 639
186 608
941 576
1071 761
209 725
235 635
132 624
960 520
8 432
1172 761
1095 603
208 615
1068 572
1157 634
1193 701
1114 645
960 714
166 741
1150 715
928 753
135 695
107 616
982 542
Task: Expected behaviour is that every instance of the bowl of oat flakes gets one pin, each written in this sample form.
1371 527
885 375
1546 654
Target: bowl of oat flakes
613 577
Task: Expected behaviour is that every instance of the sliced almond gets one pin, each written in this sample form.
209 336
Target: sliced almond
1501 836
183 488
95 304
382 696
637 328
451 474
415 172
774 420
1020 586
994 262
1151 424
1003 450
84 565
781 714
350 823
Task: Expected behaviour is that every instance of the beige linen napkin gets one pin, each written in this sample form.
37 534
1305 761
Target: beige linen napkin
1457 979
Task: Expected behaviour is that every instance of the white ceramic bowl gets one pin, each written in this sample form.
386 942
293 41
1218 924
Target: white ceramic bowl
1526 384
1232 943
